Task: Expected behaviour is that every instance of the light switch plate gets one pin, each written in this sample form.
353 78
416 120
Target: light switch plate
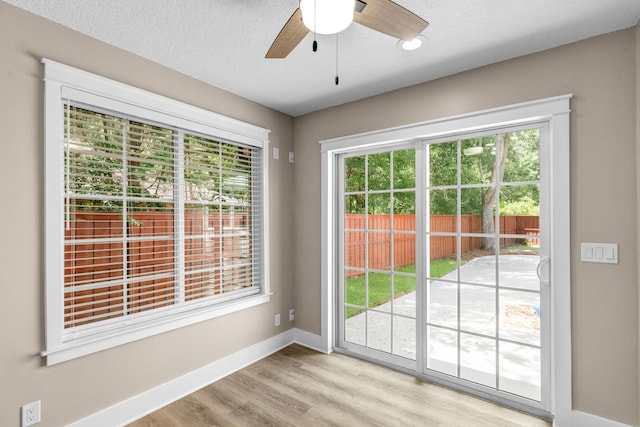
606 253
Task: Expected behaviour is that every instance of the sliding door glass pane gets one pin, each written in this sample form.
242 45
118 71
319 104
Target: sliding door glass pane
483 294
379 252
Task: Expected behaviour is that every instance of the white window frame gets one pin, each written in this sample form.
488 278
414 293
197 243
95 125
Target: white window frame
63 83
555 112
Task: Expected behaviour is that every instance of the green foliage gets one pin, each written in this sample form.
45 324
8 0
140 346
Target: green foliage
389 184
103 150
477 157
522 206
216 170
110 158
388 174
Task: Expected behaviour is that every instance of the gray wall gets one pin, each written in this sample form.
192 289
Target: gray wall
601 73
638 165
74 389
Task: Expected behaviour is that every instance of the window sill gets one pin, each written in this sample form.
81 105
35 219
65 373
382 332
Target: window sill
126 333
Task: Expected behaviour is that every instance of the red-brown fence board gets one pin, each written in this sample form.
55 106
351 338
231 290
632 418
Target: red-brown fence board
377 241
91 262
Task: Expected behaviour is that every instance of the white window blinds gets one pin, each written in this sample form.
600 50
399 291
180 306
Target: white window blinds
154 217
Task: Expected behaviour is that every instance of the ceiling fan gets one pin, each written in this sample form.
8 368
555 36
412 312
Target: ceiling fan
384 16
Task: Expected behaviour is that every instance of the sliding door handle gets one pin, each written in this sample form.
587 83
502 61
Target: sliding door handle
544 260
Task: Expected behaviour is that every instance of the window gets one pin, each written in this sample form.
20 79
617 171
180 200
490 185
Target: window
155 214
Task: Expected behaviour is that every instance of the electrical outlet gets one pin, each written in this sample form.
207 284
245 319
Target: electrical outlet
278 319
31 414
291 157
291 315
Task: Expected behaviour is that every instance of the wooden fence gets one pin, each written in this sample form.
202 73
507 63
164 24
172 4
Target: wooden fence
216 249
378 246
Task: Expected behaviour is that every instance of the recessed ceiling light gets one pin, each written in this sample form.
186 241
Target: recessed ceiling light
411 44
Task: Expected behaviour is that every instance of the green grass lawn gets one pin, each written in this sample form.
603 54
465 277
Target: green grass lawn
523 248
380 285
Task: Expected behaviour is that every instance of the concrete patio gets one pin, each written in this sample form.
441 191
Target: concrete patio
519 360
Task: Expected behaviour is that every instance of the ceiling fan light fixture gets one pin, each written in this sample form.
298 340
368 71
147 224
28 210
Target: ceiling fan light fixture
327 16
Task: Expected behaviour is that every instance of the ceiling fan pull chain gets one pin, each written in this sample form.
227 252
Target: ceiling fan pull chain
337 78
315 17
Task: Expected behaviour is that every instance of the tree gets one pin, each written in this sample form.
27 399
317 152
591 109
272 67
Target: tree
490 193
486 175
504 164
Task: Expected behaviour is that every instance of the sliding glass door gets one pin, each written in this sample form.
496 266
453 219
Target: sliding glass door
443 259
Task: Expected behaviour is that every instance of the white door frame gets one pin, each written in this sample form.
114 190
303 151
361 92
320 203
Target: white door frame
555 111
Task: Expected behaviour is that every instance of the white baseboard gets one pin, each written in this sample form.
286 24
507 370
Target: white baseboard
307 339
582 419
136 407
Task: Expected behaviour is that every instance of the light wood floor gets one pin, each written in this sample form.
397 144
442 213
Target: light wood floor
300 387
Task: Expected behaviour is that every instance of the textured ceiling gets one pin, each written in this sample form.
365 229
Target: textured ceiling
223 42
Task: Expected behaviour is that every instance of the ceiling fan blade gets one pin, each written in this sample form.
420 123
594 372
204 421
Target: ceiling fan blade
290 36
390 18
